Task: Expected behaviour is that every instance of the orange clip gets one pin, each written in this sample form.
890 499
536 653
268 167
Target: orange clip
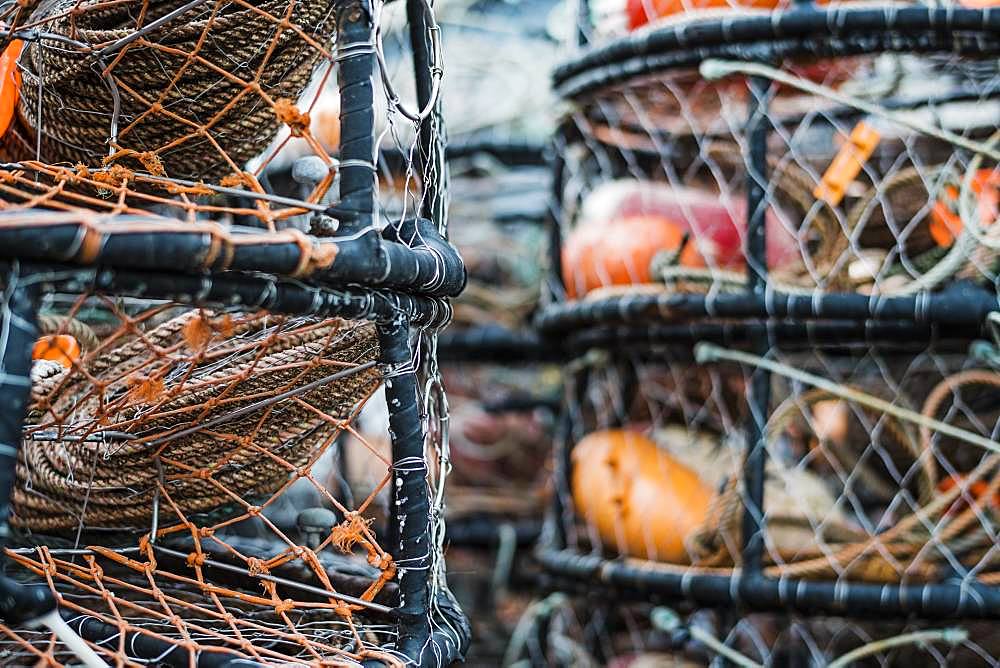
61 348
10 83
945 223
847 164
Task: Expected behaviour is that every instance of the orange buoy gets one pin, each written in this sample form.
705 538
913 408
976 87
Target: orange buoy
10 83
642 502
619 252
61 348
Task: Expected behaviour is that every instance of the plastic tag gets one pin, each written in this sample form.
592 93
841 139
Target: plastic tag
847 164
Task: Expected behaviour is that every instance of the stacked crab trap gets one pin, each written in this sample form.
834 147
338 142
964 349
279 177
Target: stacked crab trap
775 256
206 287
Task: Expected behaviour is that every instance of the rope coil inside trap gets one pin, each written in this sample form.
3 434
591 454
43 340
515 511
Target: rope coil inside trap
157 476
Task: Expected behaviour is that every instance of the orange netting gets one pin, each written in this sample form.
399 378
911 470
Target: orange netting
134 105
181 479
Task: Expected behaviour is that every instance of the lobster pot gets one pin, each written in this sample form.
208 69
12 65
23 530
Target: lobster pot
203 300
780 421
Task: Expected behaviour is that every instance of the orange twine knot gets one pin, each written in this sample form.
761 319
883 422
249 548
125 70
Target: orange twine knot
253 511
152 163
350 532
289 114
235 180
255 566
195 559
115 176
148 159
206 532
284 606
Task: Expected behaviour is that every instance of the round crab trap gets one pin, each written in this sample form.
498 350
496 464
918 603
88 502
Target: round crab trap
208 284
771 253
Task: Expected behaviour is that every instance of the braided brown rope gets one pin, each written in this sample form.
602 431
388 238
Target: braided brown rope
138 388
59 324
200 95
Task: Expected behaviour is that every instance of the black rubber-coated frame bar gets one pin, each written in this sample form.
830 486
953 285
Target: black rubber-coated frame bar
18 332
802 31
419 638
759 388
902 335
412 255
248 291
496 343
961 304
511 153
420 50
356 79
638 581
478 531
409 524
424 261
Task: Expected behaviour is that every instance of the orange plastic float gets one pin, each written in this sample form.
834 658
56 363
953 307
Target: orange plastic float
641 501
10 83
619 253
61 348
641 12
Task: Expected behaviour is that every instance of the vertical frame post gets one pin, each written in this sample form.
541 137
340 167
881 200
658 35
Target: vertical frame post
431 162
18 331
759 389
409 520
356 80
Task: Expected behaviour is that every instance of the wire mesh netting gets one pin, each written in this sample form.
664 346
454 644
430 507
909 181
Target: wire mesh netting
774 243
194 485
173 484
877 172
853 490
593 633
888 478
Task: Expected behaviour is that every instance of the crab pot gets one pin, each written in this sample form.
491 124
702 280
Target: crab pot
192 343
772 254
